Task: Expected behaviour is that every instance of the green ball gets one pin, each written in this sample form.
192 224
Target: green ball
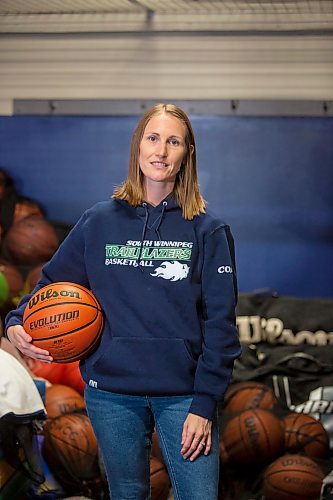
4 289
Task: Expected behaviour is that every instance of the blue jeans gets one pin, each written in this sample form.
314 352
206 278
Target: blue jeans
123 426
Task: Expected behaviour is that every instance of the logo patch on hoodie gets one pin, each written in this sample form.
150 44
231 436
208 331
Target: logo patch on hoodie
173 271
171 255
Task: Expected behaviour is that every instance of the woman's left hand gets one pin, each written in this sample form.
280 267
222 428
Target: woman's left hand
196 436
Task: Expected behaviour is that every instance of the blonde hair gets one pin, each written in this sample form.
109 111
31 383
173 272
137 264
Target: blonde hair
186 189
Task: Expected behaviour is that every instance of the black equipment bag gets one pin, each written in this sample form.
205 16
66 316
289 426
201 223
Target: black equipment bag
288 345
284 320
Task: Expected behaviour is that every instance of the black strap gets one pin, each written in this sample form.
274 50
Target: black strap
14 437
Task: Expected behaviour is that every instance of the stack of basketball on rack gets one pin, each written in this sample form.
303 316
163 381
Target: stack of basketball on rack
277 418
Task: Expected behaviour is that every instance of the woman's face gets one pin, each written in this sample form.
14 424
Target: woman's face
162 149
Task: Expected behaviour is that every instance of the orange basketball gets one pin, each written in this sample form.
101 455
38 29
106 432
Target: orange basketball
253 437
65 319
245 395
71 450
291 477
304 433
31 240
61 399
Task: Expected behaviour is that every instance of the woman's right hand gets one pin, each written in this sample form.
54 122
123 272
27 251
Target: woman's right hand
23 342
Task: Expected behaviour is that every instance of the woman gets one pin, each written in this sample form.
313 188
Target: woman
164 273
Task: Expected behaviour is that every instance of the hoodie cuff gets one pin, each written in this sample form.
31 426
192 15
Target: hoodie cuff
203 405
11 322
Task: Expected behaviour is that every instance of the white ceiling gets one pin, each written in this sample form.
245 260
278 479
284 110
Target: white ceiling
165 6
165 15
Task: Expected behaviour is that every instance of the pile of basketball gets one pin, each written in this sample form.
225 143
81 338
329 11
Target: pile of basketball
27 241
69 446
30 241
24 250
71 451
286 450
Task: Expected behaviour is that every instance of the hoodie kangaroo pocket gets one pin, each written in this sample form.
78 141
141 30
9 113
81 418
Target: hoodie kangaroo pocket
145 366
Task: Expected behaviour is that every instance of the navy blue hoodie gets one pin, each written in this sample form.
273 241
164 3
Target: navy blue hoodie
168 289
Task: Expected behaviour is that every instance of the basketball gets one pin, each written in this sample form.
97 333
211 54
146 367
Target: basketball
291 477
304 433
245 395
70 448
61 399
65 319
31 240
253 437
159 480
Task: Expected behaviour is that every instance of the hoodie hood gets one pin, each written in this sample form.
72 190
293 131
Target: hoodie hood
152 216
168 204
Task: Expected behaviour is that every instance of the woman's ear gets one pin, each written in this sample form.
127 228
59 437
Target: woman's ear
191 149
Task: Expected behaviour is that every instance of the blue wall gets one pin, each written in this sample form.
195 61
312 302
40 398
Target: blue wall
270 178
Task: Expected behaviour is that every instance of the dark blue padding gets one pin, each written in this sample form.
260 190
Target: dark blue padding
270 178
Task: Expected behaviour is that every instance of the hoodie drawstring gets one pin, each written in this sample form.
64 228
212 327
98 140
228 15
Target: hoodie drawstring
143 234
145 224
165 204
